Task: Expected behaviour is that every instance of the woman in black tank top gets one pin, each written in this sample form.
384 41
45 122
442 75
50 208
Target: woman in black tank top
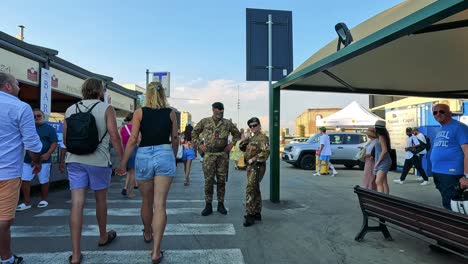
155 162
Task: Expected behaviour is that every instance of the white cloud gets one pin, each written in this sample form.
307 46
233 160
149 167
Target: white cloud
253 100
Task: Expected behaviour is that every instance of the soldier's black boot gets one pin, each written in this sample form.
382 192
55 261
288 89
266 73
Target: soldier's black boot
221 208
208 210
249 220
258 217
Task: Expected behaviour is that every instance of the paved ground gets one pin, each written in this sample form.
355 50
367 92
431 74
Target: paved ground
315 223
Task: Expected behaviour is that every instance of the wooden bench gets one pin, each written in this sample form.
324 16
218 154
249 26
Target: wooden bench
448 229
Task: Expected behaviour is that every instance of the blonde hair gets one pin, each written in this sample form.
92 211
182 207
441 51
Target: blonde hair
155 96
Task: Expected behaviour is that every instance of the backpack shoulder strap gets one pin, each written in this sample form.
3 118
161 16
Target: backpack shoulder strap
92 107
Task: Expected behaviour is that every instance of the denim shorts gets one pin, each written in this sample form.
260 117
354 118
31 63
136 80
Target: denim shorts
154 161
189 154
324 158
83 175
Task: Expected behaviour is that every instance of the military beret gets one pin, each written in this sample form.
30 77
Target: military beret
218 105
253 120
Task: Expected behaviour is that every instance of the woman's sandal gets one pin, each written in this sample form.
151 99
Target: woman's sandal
161 256
147 240
111 235
70 259
186 183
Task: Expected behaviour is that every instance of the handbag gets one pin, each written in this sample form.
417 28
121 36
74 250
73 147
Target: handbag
459 202
180 152
360 154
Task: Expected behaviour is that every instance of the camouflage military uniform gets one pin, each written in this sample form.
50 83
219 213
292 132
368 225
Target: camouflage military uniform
258 148
215 160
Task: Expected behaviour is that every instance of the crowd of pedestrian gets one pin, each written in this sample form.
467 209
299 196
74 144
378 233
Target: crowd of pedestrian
147 146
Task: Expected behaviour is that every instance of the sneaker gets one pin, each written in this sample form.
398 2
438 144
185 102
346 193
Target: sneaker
334 173
425 183
419 178
317 174
398 181
23 207
42 204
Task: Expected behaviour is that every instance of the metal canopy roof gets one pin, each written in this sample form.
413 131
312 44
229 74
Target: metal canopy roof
416 48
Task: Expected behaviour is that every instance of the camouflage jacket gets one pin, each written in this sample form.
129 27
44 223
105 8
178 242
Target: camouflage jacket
215 136
257 146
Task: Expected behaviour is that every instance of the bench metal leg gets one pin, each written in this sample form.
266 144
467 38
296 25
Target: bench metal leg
365 226
385 231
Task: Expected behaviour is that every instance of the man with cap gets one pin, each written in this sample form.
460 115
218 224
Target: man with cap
324 152
412 159
257 151
215 130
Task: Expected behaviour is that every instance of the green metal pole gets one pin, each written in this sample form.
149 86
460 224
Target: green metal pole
274 144
274 122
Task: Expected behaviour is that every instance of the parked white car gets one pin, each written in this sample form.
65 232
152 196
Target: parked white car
344 146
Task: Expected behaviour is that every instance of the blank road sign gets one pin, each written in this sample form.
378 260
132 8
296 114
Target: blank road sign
257 44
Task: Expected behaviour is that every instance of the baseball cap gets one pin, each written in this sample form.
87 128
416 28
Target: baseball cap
218 105
323 129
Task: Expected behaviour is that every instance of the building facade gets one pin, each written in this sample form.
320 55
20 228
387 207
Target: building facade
305 123
185 119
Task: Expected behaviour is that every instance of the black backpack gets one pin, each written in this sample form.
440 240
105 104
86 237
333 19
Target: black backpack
82 132
428 143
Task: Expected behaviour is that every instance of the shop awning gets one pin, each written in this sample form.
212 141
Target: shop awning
406 102
417 48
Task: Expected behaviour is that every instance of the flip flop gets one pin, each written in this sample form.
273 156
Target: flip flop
70 259
111 235
147 240
161 256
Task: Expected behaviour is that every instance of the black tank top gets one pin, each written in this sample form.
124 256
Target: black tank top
156 126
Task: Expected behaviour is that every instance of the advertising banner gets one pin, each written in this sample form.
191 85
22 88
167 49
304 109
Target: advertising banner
397 122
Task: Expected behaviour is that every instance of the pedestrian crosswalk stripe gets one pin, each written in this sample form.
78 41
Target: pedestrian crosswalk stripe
123 230
123 201
214 256
116 211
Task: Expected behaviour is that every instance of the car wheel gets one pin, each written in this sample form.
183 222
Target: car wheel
308 162
361 165
348 166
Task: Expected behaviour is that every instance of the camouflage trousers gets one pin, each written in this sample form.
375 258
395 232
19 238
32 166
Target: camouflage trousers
253 196
215 165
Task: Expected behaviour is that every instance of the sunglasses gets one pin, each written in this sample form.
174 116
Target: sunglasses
442 112
253 125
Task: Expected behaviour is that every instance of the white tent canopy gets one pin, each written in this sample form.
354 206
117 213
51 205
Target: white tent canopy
353 115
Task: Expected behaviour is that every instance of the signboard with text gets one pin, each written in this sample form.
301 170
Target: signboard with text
165 79
397 122
46 92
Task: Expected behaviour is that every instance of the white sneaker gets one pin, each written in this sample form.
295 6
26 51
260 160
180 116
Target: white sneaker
425 183
42 204
317 174
419 178
334 173
23 207
398 181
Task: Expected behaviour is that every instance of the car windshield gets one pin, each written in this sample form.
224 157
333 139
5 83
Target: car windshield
314 139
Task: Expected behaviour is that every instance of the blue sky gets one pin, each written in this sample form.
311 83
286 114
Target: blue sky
202 44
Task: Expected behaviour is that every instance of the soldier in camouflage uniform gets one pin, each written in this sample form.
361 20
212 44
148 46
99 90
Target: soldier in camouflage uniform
215 145
257 150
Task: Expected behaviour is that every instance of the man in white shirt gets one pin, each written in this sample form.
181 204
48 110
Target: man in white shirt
324 152
412 159
18 134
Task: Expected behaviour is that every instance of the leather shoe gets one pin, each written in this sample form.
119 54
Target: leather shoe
249 220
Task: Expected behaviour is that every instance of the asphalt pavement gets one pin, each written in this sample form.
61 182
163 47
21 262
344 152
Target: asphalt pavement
315 222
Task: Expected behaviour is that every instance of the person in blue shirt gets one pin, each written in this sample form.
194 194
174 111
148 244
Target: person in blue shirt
49 140
17 135
449 155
